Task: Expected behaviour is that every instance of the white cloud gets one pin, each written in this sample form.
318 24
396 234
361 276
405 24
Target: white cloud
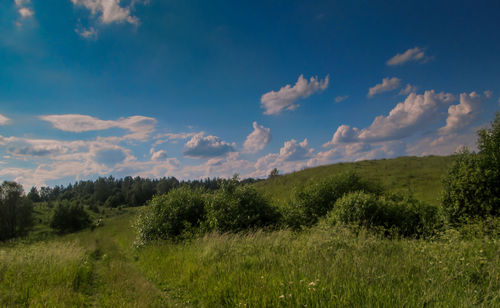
344 134
258 138
416 112
292 156
443 145
207 147
408 89
388 84
4 120
140 127
339 99
26 12
461 115
23 9
158 155
174 137
275 102
109 11
488 94
412 54
89 33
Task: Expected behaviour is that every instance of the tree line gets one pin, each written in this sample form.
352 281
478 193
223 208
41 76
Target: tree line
127 191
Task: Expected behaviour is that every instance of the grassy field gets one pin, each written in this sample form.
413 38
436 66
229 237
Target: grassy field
315 268
325 266
418 175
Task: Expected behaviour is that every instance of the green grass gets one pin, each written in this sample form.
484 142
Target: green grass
418 175
326 267
88 268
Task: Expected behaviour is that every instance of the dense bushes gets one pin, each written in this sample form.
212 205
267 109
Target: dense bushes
15 211
472 186
172 215
314 201
402 214
69 217
185 211
235 208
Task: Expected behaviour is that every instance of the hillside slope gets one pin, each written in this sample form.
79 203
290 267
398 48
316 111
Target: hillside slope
419 175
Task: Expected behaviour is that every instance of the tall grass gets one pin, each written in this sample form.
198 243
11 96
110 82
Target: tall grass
89 268
326 266
44 275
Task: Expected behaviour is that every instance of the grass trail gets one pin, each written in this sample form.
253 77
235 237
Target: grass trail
89 268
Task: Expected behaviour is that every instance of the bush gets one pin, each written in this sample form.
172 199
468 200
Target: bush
402 214
235 208
69 217
472 185
174 215
314 201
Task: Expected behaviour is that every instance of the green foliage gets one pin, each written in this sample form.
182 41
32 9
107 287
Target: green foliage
314 201
69 217
15 211
235 208
472 185
396 213
170 216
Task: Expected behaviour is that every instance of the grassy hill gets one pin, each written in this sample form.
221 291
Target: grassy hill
419 175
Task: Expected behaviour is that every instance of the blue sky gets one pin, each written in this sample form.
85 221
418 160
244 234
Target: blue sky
193 89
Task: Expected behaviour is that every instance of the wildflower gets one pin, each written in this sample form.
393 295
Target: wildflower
282 296
312 283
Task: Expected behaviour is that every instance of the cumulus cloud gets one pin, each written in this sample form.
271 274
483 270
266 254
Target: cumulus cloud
344 134
275 102
140 127
388 84
417 111
4 120
408 89
412 54
210 146
462 114
158 155
258 138
292 156
109 11
339 99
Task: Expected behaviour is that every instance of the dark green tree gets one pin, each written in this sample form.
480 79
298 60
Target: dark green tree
472 185
15 211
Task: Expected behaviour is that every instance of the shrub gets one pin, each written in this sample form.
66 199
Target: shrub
472 185
172 215
69 217
403 214
314 201
235 208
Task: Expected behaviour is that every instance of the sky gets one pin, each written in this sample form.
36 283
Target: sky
197 89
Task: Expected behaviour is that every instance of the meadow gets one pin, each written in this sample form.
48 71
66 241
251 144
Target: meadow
321 266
